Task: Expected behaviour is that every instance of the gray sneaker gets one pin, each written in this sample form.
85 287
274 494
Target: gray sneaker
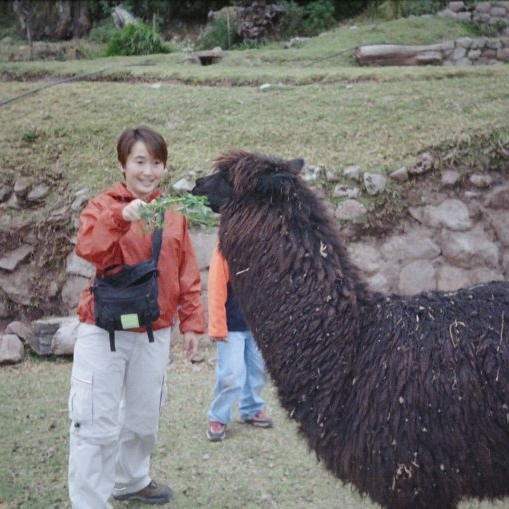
153 493
216 431
260 420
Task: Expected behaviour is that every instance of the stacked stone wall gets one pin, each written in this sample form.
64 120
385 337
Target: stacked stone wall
486 15
475 51
492 18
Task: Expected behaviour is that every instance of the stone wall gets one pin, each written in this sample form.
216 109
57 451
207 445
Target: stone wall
455 235
475 51
463 51
494 15
491 17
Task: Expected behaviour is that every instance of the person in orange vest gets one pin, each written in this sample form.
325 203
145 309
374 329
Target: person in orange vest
240 369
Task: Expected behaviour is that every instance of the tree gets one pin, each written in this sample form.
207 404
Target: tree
49 20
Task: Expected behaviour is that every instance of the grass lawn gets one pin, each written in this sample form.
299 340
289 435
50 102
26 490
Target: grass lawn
253 468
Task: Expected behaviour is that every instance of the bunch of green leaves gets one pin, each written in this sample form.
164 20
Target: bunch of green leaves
195 208
136 39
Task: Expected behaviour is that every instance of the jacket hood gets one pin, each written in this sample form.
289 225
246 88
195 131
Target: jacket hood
119 192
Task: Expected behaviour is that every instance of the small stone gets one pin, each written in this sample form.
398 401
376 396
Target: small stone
38 193
21 188
481 181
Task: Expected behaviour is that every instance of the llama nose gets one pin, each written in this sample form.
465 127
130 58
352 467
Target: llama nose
194 190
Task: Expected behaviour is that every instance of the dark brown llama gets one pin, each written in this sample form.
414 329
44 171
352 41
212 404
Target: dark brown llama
405 397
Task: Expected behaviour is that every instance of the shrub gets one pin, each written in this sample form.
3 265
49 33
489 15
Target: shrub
220 32
102 31
393 9
487 30
308 20
292 23
318 17
136 39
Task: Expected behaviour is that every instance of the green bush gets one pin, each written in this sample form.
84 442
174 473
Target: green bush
292 23
318 17
487 30
308 20
393 9
220 33
136 39
102 31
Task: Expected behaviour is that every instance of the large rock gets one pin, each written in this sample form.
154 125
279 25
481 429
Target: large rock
396 54
62 342
43 330
50 20
20 329
11 349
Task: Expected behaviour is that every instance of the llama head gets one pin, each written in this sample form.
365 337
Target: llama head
242 174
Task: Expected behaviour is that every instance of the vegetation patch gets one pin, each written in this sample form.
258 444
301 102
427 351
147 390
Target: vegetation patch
135 39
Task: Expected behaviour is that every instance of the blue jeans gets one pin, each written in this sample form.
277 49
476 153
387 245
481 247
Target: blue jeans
240 375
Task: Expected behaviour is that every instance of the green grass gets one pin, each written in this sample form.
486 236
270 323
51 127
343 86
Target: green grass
252 469
66 134
331 112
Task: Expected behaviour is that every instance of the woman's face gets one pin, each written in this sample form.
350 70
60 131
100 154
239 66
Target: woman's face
142 171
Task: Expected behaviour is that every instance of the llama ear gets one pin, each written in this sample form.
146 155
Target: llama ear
296 165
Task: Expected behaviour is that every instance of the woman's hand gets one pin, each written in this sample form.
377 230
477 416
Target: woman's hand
131 212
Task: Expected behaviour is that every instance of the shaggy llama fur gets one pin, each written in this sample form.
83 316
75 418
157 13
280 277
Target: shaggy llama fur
405 397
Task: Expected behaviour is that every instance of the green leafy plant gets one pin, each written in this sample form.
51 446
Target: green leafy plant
494 30
220 33
195 208
30 135
393 9
308 20
292 21
318 17
136 39
102 31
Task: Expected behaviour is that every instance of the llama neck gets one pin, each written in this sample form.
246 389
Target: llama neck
293 278
296 245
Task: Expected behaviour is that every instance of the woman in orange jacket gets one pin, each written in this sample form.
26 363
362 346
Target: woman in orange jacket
116 396
240 369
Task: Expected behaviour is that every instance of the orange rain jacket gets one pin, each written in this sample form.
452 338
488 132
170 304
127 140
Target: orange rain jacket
224 312
217 294
105 238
